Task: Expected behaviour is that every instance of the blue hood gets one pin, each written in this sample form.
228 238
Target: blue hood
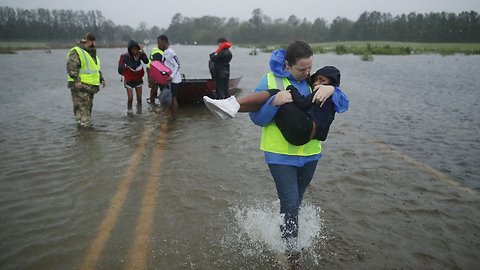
277 63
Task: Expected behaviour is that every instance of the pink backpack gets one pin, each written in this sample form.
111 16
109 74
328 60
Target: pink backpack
159 72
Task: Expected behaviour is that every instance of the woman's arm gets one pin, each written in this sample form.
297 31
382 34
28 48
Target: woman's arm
266 114
268 111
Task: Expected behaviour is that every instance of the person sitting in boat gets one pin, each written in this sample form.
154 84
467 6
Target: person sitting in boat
220 68
300 120
131 68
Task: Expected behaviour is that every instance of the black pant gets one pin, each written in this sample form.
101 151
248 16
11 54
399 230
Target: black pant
221 88
295 124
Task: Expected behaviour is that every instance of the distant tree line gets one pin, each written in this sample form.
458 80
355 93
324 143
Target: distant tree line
68 25
370 26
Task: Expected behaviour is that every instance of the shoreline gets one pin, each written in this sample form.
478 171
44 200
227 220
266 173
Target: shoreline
339 48
7 47
383 48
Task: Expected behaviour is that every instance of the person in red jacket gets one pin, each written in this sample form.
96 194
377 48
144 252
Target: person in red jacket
220 68
131 68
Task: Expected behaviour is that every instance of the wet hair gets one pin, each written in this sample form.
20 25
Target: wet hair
163 38
221 40
297 50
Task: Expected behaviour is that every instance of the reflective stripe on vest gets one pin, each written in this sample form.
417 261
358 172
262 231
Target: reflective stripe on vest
89 72
154 51
272 139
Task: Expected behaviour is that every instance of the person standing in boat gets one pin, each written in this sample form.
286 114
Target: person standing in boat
170 60
155 55
84 78
220 68
130 67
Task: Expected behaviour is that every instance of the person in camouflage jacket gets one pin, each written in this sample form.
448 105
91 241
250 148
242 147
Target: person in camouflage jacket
82 93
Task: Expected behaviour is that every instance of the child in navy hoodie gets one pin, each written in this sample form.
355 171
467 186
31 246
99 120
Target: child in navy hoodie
131 68
299 121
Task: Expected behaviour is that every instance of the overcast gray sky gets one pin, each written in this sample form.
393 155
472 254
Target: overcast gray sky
160 13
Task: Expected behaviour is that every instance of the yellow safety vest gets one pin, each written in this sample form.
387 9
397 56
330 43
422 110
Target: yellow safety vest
89 70
272 139
154 51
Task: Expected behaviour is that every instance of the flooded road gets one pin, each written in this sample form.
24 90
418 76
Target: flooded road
397 186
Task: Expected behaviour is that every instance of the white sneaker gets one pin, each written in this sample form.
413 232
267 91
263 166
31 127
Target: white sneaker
218 113
222 108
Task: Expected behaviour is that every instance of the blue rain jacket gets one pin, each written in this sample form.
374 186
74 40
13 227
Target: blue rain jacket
266 114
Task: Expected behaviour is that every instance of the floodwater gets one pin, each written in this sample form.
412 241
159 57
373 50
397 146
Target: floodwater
397 187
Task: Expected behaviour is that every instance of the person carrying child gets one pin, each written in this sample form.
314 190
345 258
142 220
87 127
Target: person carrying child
292 166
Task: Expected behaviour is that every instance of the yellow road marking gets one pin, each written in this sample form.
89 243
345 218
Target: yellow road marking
139 250
105 229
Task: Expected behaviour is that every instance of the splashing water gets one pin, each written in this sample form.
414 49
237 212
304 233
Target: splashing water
257 232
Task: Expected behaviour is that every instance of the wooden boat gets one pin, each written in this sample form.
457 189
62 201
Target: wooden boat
192 91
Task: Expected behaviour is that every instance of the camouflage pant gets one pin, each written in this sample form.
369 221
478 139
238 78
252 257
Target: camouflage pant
82 107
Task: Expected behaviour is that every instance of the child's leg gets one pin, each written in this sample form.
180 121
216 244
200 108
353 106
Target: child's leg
228 108
253 102
250 108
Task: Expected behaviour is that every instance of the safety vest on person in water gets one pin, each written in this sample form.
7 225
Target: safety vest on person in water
89 70
154 51
272 139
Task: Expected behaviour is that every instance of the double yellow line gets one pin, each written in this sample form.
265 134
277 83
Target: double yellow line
138 253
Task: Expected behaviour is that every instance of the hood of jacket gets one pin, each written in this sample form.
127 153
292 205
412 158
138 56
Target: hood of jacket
131 44
330 72
223 46
277 63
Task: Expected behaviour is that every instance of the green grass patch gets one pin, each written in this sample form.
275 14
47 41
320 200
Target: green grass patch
12 47
7 47
23 45
395 48
389 48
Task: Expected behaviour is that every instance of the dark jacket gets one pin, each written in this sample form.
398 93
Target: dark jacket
221 64
322 116
131 67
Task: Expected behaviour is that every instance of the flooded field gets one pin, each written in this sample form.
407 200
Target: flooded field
397 186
